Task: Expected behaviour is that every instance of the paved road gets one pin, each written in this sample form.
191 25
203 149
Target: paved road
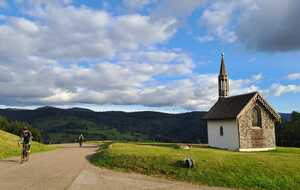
68 169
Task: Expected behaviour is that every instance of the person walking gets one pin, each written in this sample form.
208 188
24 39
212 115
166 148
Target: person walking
80 139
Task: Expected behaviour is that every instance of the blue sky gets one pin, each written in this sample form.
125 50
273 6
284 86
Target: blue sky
135 55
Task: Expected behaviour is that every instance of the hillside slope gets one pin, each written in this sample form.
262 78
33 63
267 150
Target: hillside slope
9 145
65 125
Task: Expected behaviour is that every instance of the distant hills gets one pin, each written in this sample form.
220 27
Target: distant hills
286 116
64 125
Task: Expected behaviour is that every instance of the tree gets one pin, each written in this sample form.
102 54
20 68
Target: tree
15 127
288 134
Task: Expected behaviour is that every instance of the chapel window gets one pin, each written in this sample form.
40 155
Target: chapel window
221 131
256 117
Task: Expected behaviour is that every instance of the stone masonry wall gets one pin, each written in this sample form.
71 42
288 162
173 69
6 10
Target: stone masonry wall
256 137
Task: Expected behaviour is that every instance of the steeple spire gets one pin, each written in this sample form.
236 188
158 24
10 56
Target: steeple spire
223 79
222 69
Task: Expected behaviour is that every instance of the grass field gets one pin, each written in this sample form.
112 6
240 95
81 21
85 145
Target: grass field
9 146
278 169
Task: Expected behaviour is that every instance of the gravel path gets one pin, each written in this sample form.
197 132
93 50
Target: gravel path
68 169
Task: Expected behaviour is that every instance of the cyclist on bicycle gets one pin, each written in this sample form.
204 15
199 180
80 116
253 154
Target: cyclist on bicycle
25 140
80 139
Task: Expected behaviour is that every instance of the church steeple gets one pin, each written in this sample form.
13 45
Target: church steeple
223 79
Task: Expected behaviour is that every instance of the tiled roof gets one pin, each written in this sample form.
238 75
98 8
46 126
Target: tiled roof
229 107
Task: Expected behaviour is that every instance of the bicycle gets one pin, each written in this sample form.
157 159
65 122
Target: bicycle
25 153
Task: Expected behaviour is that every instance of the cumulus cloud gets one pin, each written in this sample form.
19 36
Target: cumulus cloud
196 92
272 26
131 80
219 17
216 20
136 4
66 55
294 76
176 8
40 58
279 89
67 32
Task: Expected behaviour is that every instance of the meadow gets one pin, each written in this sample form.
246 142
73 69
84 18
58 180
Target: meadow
278 169
9 146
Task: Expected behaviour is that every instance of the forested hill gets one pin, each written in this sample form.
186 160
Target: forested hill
64 125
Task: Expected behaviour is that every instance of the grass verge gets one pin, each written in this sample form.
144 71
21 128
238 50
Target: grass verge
278 169
9 146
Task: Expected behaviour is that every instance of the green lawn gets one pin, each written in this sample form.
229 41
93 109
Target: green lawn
9 145
279 169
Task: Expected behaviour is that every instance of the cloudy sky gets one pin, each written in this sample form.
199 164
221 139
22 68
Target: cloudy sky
161 55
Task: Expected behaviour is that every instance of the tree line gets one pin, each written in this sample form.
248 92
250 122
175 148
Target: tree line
15 127
288 133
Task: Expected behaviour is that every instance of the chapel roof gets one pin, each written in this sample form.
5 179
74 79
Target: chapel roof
229 107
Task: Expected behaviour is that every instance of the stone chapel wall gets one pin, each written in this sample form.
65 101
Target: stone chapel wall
256 137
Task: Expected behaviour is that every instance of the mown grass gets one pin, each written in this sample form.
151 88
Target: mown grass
9 146
278 169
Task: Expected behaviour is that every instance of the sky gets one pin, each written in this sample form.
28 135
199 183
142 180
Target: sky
158 55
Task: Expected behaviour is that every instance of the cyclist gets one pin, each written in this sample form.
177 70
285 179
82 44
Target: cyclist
25 140
80 139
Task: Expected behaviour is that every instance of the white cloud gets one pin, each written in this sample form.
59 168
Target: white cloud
216 19
294 76
136 4
176 8
129 31
75 55
257 77
220 18
24 26
198 92
123 82
278 89
269 25
68 32
204 39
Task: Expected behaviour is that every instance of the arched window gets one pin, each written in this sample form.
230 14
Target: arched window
256 117
221 131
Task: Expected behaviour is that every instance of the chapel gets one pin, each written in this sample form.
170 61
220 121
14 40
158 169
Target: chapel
244 122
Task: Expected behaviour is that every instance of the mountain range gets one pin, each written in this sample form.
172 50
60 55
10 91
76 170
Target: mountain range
64 125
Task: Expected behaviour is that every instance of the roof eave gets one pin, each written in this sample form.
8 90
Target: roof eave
249 102
214 119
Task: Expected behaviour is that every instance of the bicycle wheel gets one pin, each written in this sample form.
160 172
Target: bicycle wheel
23 155
27 153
